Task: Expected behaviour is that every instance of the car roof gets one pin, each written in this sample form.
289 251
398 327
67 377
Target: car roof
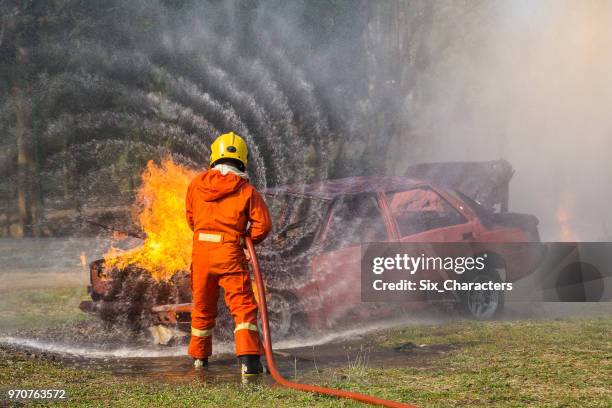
330 189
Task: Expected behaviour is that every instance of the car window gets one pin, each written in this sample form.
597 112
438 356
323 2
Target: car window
484 215
295 220
422 209
355 219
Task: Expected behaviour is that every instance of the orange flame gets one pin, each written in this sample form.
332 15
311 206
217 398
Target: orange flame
160 206
83 259
564 216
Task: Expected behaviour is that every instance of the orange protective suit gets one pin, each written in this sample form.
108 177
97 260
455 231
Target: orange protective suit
219 209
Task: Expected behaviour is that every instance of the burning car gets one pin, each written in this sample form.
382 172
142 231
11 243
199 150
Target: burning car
312 259
354 211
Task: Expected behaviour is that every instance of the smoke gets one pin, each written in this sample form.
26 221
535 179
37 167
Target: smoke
530 82
319 90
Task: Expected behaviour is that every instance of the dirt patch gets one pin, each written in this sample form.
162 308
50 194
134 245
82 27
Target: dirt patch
365 352
19 280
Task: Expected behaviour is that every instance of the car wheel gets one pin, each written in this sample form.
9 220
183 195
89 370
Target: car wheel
483 304
279 314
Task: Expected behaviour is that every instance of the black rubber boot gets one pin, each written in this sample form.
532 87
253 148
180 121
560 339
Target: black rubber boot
250 365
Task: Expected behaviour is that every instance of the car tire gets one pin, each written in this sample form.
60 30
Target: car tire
481 304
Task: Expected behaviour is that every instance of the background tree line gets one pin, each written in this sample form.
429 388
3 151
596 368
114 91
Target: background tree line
91 90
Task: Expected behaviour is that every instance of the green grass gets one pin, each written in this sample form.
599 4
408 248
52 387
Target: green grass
547 363
40 308
518 363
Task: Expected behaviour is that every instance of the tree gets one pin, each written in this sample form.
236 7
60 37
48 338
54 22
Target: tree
16 27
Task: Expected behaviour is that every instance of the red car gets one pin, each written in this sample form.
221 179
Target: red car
330 220
311 262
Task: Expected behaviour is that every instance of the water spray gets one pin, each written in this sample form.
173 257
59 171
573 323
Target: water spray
270 357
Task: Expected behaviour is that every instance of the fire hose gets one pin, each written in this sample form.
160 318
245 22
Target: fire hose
270 357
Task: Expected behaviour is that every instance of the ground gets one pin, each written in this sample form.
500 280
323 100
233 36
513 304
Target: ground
515 363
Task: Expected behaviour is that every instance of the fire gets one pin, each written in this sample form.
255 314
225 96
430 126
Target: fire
83 259
563 216
160 209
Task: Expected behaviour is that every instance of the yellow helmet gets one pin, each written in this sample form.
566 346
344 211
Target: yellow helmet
229 146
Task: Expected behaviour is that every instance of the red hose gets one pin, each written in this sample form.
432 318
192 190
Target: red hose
270 358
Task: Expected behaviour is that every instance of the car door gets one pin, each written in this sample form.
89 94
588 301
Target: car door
336 269
423 216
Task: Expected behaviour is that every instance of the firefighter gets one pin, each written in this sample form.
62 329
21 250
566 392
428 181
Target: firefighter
222 208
